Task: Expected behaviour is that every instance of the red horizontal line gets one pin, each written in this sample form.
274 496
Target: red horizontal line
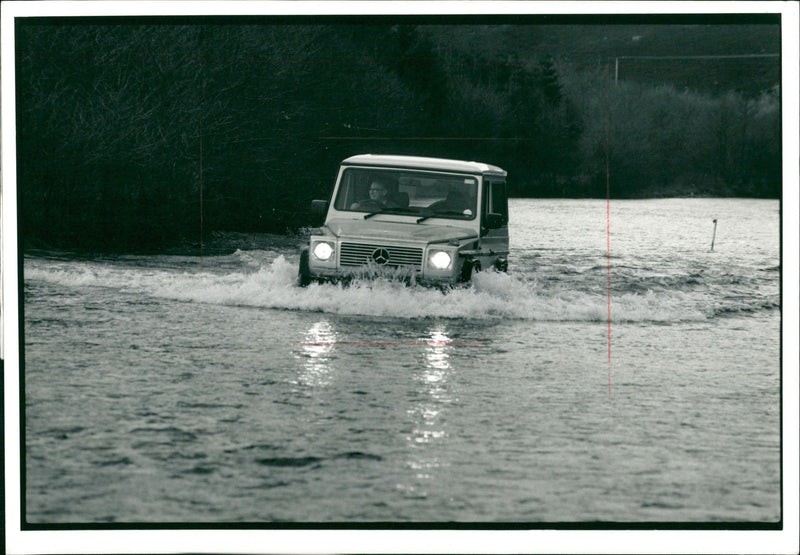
394 343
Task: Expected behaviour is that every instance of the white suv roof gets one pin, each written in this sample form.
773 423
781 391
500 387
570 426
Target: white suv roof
419 162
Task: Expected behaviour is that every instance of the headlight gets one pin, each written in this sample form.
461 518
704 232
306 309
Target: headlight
440 260
323 251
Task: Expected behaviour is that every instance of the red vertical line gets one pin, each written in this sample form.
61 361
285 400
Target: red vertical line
608 229
203 76
608 252
201 203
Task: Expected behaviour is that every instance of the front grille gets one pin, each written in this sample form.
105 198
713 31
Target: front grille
357 254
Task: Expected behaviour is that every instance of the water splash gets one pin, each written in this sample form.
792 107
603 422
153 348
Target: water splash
263 280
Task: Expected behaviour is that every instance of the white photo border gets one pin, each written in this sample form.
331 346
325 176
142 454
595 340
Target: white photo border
402 540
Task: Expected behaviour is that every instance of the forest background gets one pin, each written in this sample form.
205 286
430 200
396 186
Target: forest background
137 135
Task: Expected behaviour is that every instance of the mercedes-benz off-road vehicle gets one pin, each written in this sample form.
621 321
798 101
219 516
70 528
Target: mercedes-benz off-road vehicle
426 220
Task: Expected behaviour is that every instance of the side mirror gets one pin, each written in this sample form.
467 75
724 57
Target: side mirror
319 207
494 220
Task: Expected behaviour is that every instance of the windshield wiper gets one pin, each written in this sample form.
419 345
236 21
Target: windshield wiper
400 211
439 214
368 216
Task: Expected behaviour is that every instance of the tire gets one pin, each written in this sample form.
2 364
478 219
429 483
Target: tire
468 269
303 271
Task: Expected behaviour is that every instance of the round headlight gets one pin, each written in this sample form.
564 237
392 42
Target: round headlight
323 251
440 260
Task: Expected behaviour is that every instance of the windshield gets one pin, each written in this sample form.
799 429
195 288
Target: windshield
417 193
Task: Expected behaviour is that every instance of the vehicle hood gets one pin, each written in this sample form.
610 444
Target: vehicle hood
382 230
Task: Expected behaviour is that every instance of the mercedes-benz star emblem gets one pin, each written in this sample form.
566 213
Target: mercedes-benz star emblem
380 256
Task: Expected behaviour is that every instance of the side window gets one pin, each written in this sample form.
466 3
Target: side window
496 199
346 192
353 188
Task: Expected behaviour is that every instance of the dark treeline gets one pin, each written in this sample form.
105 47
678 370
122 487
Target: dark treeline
136 136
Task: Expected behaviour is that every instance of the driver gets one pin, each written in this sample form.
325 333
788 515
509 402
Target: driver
378 197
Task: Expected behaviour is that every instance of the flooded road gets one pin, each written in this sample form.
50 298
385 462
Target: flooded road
181 389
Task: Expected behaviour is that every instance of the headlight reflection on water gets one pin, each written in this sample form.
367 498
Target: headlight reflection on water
429 406
318 345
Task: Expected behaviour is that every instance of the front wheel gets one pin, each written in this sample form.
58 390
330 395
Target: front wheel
303 271
468 269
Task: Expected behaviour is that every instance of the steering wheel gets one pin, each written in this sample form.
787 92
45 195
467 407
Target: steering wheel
370 205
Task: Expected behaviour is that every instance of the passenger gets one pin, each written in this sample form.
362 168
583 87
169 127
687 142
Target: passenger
378 198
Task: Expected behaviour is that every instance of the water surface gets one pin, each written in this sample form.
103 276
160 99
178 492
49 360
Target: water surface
191 389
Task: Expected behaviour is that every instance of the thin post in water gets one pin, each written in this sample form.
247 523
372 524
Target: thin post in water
714 235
